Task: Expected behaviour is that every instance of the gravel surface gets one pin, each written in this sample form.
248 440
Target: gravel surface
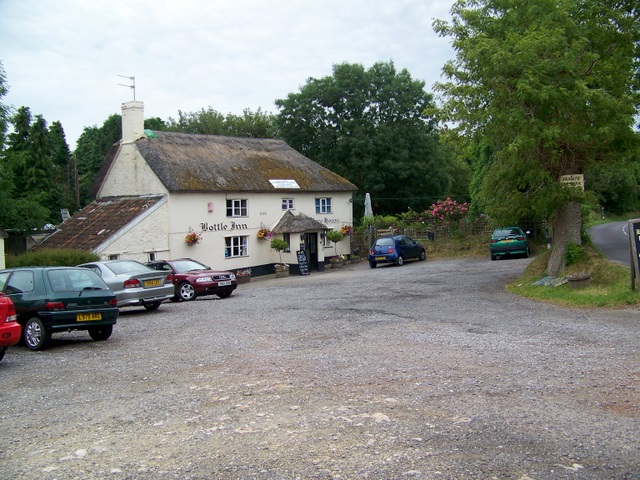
430 370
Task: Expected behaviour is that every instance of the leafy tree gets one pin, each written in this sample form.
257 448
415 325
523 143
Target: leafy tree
369 126
250 124
550 87
91 149
5 110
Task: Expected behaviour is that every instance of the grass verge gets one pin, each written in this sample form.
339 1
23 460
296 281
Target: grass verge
610 283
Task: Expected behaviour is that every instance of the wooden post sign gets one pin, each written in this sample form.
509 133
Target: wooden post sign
302 262
634 239
576 180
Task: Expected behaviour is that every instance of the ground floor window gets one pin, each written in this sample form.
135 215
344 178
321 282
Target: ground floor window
236 247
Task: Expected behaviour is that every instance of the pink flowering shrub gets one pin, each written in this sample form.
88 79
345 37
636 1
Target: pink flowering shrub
446 212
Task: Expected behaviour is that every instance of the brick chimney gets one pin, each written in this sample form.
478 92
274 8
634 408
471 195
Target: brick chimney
132 121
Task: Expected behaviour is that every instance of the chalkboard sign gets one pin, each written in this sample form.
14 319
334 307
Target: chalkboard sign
302 262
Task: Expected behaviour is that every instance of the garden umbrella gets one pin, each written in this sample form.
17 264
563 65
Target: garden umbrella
368 211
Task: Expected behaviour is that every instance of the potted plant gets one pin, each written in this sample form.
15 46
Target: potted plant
282 269
335 236
244 275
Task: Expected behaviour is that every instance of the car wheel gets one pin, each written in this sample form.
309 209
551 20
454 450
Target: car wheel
373 264
494 257
36 336
187 292
2 350
101 333
152 306
224 294
399 261
526 253
423 256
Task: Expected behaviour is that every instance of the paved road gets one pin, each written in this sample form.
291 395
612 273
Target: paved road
612 239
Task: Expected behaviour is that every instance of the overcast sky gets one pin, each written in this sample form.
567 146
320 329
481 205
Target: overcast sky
63 58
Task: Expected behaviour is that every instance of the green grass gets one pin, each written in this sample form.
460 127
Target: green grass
610 284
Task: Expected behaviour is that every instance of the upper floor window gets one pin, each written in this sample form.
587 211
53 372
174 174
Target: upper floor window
287 204
237 208
323 205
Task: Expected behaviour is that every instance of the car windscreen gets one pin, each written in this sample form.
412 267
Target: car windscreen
182 266
75 280
128 267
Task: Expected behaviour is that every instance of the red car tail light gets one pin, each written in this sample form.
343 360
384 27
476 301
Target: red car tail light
113 302
11 313
132 283
52 306
169 278
493 240
391 249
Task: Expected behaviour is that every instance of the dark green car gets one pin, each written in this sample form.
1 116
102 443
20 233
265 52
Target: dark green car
507 241
59 299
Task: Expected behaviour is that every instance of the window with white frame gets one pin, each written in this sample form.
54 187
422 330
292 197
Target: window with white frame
114 256
287 238
236 247
152 256
237 207
287 204
323 205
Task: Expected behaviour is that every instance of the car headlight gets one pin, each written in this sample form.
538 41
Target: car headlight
204 279
232 277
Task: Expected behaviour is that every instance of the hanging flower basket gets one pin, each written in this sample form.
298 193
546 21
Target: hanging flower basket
192 238
346 230
264 233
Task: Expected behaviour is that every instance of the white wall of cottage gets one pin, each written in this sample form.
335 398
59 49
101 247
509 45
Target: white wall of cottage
148 234
131 175
206 214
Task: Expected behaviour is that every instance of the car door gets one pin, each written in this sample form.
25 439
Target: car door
20 287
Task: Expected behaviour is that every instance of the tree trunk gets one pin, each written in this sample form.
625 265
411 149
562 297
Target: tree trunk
567 228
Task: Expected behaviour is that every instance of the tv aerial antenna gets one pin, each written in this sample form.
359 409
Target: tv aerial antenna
132 86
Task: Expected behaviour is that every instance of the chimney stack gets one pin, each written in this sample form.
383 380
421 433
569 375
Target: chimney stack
132 121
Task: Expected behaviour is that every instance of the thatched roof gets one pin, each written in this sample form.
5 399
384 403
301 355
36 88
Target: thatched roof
290 223
213 163
98 221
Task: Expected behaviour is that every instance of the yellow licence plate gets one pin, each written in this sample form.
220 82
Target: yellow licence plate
87 317
152 283
381 258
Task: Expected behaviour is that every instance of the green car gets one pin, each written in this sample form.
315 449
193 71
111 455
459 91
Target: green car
509 241
59 299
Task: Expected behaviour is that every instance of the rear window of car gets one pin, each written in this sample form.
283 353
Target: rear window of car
74 280
384 242
507 232
128 267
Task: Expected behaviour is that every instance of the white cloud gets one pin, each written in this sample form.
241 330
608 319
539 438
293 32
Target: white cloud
63 57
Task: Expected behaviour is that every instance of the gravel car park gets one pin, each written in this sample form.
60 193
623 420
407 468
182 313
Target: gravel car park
429 371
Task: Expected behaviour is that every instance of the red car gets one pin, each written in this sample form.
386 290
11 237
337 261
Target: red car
193 279
10 330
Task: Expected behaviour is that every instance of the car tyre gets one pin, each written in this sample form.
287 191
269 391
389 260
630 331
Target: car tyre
152 306
101 333
187 292
2 350
224 294
423 256
373 264
36 336
399 261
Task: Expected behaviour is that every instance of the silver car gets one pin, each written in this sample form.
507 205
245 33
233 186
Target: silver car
133 283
